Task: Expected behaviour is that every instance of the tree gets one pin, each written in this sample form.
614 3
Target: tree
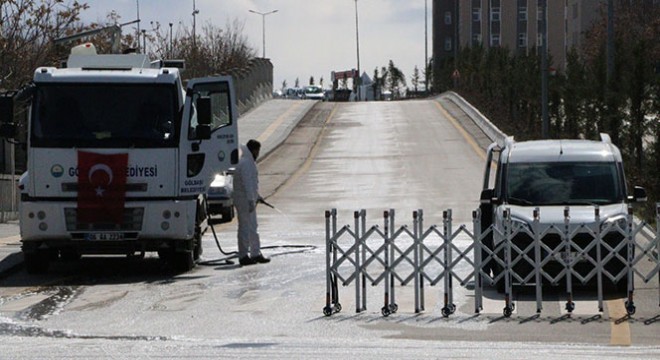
311 80
28 28
396 79
284 85
297 83
414 80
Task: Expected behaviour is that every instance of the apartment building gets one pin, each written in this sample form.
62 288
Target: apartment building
515 24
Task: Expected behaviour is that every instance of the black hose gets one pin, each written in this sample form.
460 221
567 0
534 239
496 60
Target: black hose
234 254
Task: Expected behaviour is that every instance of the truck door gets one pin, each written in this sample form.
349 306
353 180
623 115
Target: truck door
202 154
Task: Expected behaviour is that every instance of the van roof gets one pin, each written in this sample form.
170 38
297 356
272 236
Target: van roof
562 151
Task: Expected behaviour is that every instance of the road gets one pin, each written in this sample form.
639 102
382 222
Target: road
375 156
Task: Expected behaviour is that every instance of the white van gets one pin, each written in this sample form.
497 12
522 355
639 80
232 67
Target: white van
552 179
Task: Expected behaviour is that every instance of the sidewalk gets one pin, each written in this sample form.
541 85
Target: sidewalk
270 123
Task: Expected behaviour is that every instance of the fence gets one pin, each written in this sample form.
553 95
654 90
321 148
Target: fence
559 254
9 197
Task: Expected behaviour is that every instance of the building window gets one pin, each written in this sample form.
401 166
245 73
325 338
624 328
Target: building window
495 14
476 39
494 40
522 40
448 43
539 40
575 11
539 10
522 13
448 18
476 14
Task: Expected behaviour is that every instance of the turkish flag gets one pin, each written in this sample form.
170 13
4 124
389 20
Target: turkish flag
101 187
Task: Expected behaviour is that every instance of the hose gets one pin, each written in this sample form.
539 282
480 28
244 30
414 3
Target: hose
227 260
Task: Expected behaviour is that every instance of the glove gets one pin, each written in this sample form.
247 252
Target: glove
251 206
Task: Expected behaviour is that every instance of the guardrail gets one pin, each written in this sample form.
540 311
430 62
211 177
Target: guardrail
384 255
479 119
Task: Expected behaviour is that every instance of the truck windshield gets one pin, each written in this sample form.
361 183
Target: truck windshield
563 183
104 115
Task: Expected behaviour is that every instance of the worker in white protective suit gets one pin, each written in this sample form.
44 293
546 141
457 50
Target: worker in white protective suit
246 196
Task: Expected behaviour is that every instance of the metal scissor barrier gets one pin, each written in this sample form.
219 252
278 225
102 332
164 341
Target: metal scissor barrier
564 254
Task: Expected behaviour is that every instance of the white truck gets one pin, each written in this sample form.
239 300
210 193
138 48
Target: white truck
120 157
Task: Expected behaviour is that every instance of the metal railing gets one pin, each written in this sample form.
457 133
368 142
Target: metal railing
536 254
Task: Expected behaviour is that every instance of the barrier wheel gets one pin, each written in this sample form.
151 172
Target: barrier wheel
452 307
327 311
570 306
630 308
507 311
385 311
394 308
337 307
446 311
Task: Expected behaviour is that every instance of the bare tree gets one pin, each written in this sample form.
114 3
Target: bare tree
27 29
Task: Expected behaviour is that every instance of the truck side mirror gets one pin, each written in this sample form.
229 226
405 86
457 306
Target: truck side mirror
639 195
7 126
487 196
204 117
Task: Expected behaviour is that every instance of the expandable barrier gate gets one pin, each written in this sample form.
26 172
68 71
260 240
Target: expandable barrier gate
441 255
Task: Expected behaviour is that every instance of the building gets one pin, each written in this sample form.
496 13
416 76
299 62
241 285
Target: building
515 24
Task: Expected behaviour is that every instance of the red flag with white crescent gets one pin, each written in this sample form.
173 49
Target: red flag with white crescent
101 187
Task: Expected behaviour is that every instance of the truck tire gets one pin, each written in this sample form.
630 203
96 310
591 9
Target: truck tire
182 261
36 262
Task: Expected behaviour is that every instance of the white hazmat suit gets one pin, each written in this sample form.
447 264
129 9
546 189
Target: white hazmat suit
245 195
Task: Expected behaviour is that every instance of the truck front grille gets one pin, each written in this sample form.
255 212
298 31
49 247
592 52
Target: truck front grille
132 221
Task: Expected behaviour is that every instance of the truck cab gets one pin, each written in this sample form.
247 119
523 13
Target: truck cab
546 185
120 157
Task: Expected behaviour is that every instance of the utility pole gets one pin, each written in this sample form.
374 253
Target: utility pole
137 2
426 47
194 15
545 131
171 43
357 41
610 42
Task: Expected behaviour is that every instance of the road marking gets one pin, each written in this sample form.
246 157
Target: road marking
620 328
277 123
477 149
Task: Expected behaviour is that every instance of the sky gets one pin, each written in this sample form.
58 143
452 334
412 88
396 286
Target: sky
304 38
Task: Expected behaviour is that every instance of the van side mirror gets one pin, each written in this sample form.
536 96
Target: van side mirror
204 117
639 195
487 196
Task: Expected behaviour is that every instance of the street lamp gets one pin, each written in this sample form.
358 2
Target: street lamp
263 27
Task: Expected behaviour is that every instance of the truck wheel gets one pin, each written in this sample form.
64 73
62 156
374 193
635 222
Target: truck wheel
183 261
36 262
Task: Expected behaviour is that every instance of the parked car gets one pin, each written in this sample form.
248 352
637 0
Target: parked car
314 92
219 197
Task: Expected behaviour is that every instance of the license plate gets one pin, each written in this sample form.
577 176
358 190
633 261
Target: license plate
104 236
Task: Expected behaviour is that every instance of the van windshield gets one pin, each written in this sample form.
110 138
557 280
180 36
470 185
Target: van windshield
563 183
104 115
